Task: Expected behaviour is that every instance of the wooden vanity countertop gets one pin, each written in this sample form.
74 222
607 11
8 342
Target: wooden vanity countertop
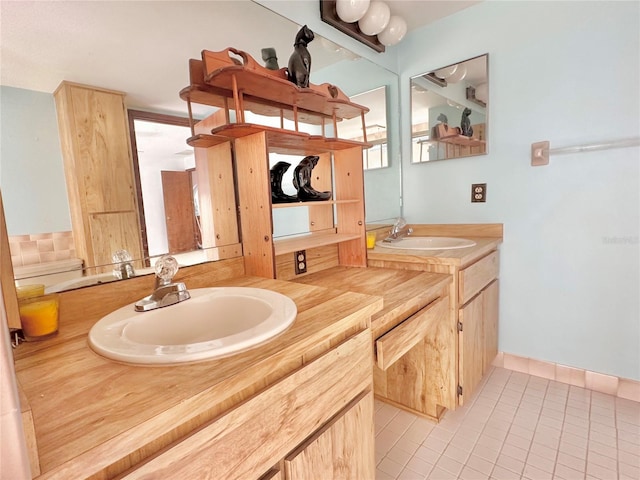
96 417
404 291
458 257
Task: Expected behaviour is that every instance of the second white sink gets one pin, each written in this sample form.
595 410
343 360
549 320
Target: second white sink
214 322
428 243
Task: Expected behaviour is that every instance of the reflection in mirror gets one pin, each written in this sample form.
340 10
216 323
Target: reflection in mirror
449 112
375 126
33 185
164 167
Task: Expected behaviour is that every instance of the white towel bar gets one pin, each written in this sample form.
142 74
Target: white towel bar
540 151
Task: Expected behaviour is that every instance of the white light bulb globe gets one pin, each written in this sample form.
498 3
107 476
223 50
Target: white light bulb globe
351 10
394 32
376 18
446 72
458 75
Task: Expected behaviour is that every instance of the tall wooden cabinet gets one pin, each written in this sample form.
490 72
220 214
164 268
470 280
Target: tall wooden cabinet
98 171
218 81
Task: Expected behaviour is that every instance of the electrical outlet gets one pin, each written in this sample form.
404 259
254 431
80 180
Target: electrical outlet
478 192
300 261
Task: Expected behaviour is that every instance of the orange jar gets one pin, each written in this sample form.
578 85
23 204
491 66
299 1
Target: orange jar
39 316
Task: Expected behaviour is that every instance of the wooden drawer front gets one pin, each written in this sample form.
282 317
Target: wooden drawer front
398 341
475 277
251 438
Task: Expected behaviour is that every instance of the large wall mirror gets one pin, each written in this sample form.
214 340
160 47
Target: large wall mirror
31 168
449 109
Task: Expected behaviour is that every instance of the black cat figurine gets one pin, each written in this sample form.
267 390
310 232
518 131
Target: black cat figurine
302 181
300 60
465 123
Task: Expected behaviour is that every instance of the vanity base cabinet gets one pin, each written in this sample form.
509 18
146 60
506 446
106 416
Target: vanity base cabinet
316 423
420 378
473 310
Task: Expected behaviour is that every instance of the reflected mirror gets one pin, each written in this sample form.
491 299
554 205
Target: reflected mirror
37 205
166 183
449 112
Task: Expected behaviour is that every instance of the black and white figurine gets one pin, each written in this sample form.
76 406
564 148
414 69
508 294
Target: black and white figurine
302 181
276 173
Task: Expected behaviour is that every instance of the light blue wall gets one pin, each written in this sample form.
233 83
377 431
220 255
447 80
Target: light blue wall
567 72
31 169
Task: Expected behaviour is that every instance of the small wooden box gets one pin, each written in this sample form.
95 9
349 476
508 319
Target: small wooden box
442 130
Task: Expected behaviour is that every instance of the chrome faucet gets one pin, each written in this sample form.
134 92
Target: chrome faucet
399 230
123 265
166 292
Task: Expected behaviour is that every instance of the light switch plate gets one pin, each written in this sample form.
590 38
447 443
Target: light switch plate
478 192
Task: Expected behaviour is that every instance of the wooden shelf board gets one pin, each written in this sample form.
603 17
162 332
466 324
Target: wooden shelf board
287 141
305 242
282 92
215 97
312 204
203 140
462 140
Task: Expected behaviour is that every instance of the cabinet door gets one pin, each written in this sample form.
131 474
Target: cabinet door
490 307
342 449
470 347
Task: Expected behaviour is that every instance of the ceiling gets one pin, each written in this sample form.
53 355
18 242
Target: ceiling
142 47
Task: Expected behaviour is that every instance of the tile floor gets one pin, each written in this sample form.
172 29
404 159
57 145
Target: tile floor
516 426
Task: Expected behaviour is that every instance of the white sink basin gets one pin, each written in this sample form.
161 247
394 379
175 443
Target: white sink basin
213 323
428 243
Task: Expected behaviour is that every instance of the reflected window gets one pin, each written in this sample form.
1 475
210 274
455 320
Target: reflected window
375 157
375 125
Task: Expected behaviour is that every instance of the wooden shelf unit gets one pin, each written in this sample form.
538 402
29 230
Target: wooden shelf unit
220 81
223 80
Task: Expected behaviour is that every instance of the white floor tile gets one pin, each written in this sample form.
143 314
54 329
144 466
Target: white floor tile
515 426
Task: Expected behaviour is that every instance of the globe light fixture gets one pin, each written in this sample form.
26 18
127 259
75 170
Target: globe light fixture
367 21
394 32
351 10
458 75
446 72
376 18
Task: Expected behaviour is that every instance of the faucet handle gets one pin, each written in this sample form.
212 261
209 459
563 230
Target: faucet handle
166 267
122 266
